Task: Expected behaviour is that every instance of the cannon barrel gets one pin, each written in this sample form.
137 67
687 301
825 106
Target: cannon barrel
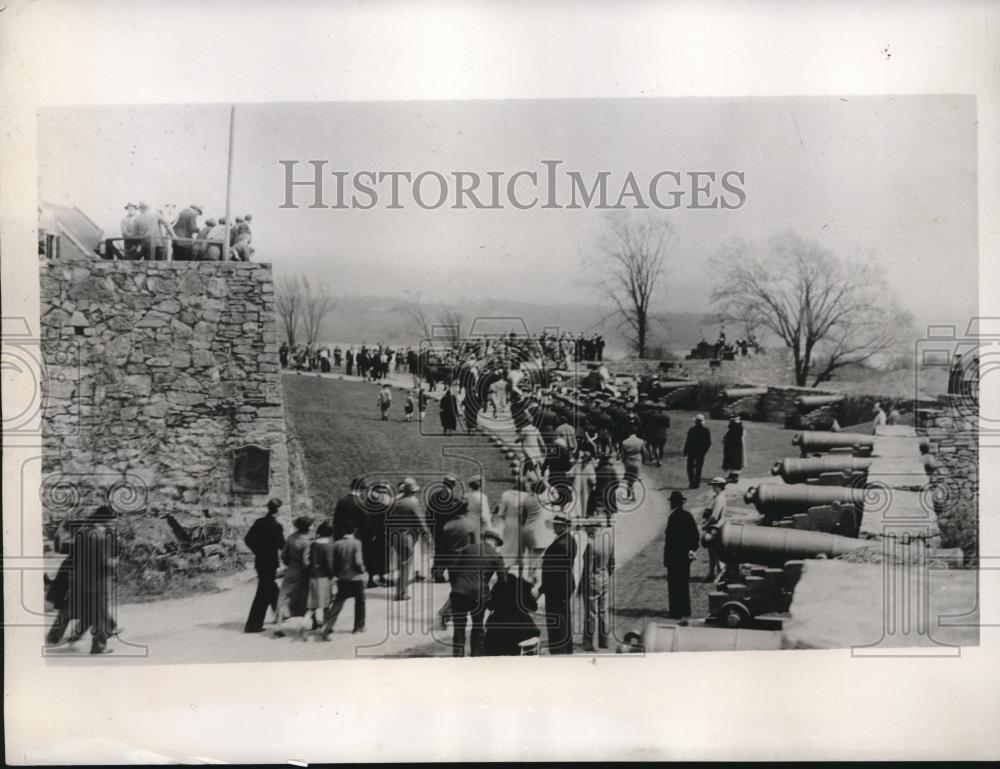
823 441
795 470
775 500
811 442
735 393
810 402
768 546
661 637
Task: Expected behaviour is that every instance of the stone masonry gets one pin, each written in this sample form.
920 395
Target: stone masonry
155 372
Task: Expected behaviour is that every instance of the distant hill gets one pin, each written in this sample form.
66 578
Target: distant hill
375 319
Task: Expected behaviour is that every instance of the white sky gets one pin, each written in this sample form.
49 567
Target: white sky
892 176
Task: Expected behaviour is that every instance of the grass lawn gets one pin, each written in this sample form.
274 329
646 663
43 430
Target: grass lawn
341 435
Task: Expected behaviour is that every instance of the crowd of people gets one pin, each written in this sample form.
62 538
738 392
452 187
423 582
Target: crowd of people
549 534
723 350
159 234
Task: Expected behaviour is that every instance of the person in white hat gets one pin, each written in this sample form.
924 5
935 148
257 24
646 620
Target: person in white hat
407 527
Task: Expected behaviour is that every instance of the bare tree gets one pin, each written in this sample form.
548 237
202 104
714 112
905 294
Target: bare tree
316 304
289 303
830 312
449 327
629 268
412 306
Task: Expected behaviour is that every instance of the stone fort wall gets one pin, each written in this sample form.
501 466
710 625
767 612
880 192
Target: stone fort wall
157 376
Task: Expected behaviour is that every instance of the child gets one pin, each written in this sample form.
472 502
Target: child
384 400
408 408
422 403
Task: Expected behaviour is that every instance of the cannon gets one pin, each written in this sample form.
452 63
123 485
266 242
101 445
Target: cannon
810 402
776 500
801 470
767 546
810 442
663 637
735 393
793 470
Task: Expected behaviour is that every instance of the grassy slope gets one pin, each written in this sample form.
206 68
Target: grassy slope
341 436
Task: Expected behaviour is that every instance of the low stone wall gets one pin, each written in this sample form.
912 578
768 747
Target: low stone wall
953 433
176 368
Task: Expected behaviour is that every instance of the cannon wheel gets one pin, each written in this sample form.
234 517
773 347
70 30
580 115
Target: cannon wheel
734 615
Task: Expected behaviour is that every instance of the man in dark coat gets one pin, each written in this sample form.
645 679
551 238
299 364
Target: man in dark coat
510 622
470 570
558 586
657 423
265 540
678 550
83 588
696 446
186 226
350 513
444 505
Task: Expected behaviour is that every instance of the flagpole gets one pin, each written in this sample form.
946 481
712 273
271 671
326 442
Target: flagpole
229 186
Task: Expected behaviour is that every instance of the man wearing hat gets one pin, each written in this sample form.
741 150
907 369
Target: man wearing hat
696 446
349 514
470 570
678 551
150 226
716 517
444 506
558 586
406 527
186 226
598 566
265 539
128 230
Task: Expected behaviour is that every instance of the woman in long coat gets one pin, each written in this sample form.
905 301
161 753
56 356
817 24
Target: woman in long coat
733 450
449 412
294 595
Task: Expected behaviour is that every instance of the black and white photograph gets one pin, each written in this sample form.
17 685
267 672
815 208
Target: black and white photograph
637 380
547 396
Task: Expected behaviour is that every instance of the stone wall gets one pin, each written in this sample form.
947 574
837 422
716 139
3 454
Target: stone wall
953 432
176 367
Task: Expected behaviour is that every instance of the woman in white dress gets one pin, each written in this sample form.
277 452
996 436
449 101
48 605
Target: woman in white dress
510 510
536 531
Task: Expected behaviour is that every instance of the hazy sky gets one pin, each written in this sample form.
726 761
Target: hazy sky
892 176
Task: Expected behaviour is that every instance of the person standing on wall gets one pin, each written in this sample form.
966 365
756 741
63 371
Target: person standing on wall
265 539
678 551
